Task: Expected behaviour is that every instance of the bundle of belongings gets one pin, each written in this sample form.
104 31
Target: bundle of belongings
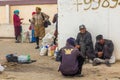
48 47
47 43
23 59
25 36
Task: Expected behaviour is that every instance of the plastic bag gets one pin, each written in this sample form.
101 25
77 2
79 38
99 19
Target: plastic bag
112 59
43 50
1 68
51 50
48 39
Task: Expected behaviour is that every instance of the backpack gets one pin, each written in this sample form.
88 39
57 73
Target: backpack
12 58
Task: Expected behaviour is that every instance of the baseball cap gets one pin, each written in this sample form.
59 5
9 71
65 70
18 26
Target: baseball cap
99 37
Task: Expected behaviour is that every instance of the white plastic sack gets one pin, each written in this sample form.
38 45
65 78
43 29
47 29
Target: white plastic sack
1 68
43 51
25 36
112 59
48 39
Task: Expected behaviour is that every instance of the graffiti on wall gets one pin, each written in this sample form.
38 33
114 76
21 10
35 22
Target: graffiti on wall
89 4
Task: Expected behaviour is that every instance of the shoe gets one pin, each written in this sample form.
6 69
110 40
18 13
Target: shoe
17 41
108 64
94 63
79 75
37 47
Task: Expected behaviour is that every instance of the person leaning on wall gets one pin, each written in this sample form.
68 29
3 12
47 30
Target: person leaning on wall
84 43
104 51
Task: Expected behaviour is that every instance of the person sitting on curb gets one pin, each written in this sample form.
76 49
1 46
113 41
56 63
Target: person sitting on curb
103 51
71 59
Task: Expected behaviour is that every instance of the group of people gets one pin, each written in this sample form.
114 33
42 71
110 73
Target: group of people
37 25
76 51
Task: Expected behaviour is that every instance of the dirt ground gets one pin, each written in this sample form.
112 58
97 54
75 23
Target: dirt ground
46 67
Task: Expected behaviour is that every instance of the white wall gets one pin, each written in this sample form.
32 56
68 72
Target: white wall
100 21
7 30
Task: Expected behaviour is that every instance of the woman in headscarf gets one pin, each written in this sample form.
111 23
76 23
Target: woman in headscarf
39 28
17 25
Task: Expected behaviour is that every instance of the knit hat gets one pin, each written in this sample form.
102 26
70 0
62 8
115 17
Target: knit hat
71 41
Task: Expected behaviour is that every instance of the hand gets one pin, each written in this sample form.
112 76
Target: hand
22 19
29 20
100 54
77 46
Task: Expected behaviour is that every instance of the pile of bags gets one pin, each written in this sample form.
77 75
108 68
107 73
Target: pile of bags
48 48
25 36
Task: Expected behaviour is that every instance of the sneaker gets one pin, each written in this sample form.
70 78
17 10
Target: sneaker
79 75
94 63
37 47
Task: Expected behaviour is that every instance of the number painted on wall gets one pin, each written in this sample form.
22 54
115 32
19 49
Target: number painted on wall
99 3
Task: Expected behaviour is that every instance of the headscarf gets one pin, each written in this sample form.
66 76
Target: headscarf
33 13
38 8
16 12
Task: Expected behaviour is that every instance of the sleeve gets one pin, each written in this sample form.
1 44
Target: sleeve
110 49
33 19
60 55
78 53
17 19
54 18
77 40
45 16
96 48
88 40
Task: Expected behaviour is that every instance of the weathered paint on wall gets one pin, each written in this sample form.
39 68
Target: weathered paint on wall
99 16
26 11
2 15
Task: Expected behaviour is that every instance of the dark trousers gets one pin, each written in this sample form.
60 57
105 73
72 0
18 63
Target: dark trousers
80 63
37 41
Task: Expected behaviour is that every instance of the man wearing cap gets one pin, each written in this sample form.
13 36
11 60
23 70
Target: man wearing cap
70 65
103 50
84 43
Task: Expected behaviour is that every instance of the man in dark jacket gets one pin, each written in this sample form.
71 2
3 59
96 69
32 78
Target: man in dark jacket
84 43
103 50
70 65
55 20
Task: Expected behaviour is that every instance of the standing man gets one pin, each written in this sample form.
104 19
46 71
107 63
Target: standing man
55 20
84 42
39 28
103 51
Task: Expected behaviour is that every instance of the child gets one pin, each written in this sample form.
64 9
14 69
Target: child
32 38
